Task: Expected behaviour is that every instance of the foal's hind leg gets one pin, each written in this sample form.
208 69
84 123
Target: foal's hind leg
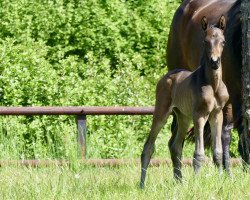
162 111
159 120
176 143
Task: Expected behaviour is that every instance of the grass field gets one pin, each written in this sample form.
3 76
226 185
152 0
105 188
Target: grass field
85 182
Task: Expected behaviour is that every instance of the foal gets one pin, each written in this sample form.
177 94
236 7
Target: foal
197 96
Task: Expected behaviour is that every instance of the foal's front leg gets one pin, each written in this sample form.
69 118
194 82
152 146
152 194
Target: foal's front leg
199 123
216 120
226 136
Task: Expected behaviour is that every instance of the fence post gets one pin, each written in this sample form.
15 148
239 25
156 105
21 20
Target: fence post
81 127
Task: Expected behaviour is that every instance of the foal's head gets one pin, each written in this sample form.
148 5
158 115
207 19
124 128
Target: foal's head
214 41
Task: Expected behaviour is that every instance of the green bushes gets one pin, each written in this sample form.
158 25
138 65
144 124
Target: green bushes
80 53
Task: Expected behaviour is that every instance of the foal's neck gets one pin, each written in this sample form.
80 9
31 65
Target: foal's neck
213 77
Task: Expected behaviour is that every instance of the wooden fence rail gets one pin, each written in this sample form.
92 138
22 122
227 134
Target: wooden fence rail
80 113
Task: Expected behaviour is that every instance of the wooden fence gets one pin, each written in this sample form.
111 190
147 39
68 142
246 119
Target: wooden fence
81 120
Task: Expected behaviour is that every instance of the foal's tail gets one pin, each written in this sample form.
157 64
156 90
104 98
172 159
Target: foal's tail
207 135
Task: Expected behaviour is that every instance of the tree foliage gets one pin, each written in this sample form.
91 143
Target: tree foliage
80 53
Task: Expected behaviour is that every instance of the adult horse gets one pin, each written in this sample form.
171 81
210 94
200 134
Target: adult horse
185 44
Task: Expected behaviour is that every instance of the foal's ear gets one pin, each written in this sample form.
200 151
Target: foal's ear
222 23
204 23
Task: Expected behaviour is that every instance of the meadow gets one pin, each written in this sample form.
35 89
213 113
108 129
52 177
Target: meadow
91 53
86 182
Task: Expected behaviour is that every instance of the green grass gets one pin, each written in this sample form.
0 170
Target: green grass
85 182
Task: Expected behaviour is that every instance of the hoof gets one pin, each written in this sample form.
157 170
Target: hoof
178 178
141 185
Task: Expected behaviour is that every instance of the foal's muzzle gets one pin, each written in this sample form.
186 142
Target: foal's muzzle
215 63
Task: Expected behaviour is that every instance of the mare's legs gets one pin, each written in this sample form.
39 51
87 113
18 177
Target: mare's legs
199 123
216 120
176 143
162 111
244 145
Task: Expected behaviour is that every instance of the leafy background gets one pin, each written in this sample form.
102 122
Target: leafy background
81 53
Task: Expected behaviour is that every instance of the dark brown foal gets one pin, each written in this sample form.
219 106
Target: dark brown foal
198 96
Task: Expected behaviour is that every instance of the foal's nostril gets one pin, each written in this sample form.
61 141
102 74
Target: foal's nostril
215 63
215 60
